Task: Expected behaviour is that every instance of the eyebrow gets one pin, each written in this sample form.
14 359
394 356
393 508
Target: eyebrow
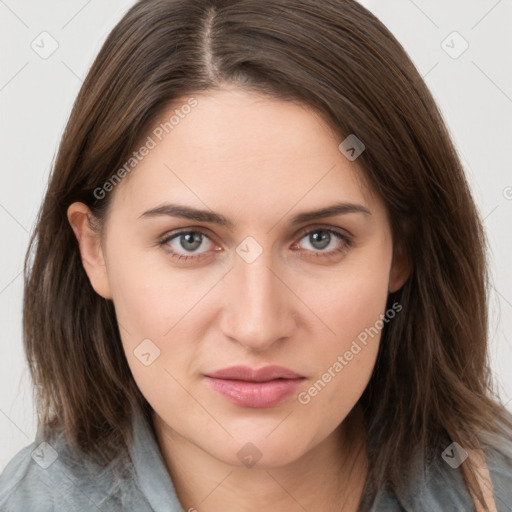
186 212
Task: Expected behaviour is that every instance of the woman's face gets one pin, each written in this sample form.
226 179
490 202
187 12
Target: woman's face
244 284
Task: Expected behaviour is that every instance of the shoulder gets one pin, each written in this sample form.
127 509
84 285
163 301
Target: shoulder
25 486
498 453
439 483
47 476
445 487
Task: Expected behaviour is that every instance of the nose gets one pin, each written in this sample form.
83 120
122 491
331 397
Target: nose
258 306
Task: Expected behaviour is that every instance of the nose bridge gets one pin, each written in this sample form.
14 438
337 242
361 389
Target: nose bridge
257 305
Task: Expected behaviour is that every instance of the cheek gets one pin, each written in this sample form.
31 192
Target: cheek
150 295
156 307
351 298
351 302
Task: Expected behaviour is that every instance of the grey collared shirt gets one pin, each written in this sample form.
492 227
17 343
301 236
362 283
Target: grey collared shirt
51 478
46 477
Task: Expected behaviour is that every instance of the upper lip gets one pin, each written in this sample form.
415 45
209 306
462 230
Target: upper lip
255 374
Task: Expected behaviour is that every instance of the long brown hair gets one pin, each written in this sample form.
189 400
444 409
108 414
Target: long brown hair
338 58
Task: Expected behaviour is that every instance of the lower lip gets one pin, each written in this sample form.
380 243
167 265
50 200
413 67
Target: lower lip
255 394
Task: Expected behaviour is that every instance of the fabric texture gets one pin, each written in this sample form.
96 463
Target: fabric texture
45 477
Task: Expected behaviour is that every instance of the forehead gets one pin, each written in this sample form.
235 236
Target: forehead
242 150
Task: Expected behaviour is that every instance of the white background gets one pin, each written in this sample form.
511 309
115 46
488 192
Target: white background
473 91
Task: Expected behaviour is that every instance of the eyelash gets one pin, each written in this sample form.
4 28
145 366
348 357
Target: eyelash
347 243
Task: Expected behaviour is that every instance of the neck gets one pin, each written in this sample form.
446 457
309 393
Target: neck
330 477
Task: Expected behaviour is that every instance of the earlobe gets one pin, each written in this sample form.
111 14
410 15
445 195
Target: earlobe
400 270
89 243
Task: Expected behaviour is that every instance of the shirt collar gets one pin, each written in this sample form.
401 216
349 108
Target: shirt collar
153 477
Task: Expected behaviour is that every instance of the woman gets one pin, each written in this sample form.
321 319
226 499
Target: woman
259 279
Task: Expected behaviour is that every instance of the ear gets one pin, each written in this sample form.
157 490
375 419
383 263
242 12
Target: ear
89 242
400 269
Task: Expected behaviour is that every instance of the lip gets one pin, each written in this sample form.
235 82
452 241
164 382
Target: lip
256 388
246 373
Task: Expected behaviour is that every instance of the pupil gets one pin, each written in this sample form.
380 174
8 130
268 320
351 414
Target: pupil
322 239
191 238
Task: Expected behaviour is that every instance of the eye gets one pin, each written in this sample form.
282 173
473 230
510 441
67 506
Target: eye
321 238
185 245
183 242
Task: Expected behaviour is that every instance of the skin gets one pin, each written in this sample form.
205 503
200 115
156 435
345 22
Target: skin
259 162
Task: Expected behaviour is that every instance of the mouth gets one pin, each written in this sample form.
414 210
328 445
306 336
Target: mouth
246 373
255 388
